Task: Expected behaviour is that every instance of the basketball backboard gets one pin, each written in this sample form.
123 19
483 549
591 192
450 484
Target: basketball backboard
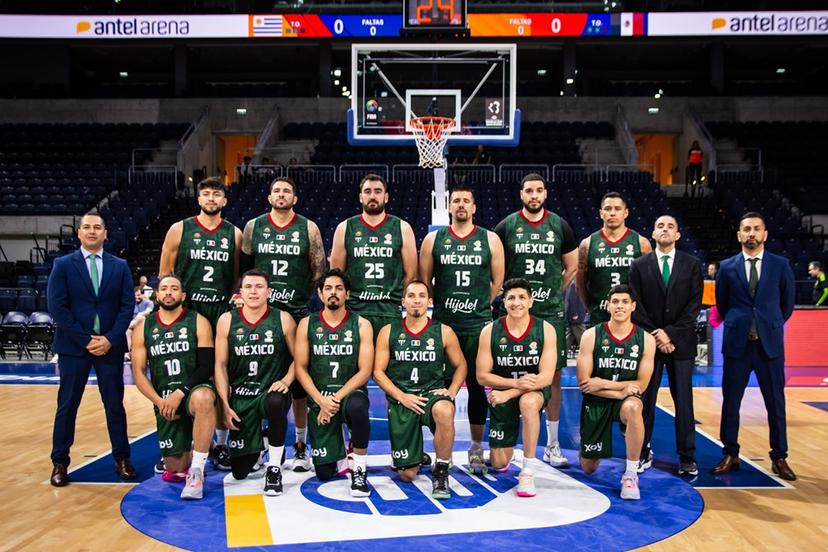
472 83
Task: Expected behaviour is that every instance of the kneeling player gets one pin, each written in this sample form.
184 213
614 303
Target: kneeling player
614 367
516 358
254 345
408 366
177 345
334 358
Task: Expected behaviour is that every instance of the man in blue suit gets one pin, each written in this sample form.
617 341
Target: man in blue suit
755 296
90 298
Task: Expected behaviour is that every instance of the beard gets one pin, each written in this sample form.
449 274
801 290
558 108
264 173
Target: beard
210 212
373 208
332 305
171 306
533 210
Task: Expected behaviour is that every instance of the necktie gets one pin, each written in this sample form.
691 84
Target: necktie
93 274
753 283
665 269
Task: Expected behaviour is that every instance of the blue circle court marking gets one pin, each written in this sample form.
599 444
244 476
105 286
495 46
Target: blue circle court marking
602 521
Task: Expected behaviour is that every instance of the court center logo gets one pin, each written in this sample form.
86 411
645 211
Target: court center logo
398 509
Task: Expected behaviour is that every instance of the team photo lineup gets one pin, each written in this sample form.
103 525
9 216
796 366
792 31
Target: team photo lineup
232 346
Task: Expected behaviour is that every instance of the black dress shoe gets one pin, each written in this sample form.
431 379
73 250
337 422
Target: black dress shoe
727 464
59 477
782 469
124 469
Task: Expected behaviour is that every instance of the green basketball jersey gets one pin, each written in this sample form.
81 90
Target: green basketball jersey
258 353
334 351
614 359
515 356
462 279
171 350
205 261
282 253
533 251
416 361
608 265
375 265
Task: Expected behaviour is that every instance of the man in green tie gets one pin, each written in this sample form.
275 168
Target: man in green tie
91 300
667 285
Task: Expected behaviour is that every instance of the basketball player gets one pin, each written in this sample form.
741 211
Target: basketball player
288 247
517 359
604 258
379 253
254 345
541 247
614 367
204 252
334 360
408 366
466 264
177 345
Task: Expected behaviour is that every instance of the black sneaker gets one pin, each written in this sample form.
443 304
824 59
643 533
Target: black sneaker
221 457
159 467
439 478
359 482
688 468
273 481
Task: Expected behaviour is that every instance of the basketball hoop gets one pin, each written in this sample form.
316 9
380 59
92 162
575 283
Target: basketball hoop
430 133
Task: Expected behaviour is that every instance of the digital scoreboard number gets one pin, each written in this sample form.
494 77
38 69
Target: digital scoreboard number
434 14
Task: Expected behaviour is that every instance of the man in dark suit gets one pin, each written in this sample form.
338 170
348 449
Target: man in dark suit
667 285
755 296
91 299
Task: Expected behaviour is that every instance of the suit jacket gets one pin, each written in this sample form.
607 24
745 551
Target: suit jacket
674 308
772 305
73 303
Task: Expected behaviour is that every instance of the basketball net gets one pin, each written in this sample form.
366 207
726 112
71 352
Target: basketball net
430 134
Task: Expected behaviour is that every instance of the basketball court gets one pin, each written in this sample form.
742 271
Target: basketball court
432 96
747 509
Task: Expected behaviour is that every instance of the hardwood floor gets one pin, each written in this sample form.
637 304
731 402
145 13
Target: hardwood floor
37 516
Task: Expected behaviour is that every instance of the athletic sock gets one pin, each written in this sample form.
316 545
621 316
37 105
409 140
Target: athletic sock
301 432
439 460
551 433
360 460
221 436
275 455
199 460
632 466
477 445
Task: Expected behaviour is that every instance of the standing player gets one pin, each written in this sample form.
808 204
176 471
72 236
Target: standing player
408 366
541 247
517 357
204 252
379 253
177 345
466 263
614 367
604 258
288 247
254 345
334 360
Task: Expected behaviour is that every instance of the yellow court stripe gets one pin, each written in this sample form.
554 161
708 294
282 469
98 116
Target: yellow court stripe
246 521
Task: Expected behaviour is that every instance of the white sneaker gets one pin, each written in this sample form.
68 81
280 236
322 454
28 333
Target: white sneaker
301 460
194 486
526 484
555 457
629 487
